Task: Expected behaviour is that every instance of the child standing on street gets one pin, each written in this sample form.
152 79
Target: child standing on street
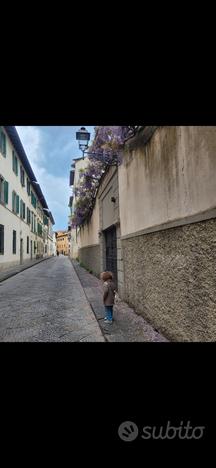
108 296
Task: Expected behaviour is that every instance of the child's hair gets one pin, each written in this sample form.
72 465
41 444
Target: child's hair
106 275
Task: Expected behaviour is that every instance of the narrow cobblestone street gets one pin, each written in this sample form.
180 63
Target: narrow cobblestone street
46 303
57 300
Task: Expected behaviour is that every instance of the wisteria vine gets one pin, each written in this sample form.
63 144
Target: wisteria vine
105 151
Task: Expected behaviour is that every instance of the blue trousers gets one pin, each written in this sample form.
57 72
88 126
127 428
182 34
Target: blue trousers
109 312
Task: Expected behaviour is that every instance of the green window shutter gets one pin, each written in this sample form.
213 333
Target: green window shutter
17 204
16 166
13 161
6 192
28 215
24 212
13 201
33 200
2 143
21 208
28 186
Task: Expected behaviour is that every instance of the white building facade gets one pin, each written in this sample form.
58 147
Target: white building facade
24 214
78 166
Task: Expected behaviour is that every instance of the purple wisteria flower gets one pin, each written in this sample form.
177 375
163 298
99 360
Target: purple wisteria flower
105 150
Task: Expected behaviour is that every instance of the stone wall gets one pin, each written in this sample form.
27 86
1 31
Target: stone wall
90 258
170 278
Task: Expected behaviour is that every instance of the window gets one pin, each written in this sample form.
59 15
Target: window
32 221
33 200
14 242
40 231
3 191
22 209
28 216
14 201
27 245
45 220
22 176
15 163
1 239
2 143
28 187
17 204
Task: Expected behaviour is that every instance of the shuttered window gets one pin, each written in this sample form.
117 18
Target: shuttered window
45 220
17 204
40 230
33 200
14 242
2 143
6 192
3 191
22 209
1 239
28 187
15 163
27 244
28 216
13 201
32 221
22 176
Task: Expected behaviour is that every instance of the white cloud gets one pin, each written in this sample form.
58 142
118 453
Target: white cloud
55 188
31 141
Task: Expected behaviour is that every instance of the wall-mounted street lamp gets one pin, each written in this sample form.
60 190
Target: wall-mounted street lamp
83 137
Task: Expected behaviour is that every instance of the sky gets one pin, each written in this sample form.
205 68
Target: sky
50 151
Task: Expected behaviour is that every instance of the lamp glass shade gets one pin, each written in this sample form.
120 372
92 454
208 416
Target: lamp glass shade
83 137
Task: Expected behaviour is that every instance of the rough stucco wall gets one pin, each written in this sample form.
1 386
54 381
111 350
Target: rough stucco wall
169 178
90 257
170 278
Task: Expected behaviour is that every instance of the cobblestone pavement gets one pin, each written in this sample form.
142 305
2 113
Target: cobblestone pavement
127 325
47 303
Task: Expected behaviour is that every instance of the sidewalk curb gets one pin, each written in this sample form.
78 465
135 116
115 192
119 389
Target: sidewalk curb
102 332
10 275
